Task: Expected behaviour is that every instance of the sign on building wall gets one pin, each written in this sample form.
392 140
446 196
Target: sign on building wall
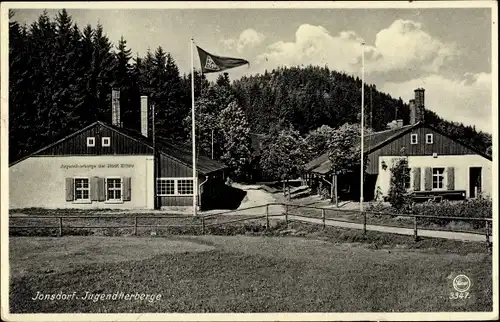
95 166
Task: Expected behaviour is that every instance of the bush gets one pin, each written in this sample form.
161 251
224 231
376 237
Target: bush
470 208
399 198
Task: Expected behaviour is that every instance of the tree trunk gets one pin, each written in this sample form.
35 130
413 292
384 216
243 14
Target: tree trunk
289 193
284 191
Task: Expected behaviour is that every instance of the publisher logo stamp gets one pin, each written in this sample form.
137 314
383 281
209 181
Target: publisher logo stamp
461 283
460 288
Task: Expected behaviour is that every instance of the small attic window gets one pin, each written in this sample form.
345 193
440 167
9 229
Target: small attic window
106 141
414 139
91 141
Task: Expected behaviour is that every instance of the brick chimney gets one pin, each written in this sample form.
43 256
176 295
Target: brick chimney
395 124
418 111
144 116
115 107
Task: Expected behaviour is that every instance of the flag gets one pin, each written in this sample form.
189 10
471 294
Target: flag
213 64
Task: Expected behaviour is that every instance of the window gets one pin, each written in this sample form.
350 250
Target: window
174 187
428 138
113 189
414 139
82 189
106 141
90 141
437 178
165 187
185 187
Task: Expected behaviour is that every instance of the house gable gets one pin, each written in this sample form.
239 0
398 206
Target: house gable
76 144
441 145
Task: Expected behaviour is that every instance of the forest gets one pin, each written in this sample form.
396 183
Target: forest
61 77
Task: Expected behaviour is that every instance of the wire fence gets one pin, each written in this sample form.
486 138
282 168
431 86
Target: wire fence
261 214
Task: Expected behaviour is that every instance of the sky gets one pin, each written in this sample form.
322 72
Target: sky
447 51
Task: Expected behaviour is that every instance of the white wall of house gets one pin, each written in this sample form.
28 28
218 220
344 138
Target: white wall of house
42 181
460 163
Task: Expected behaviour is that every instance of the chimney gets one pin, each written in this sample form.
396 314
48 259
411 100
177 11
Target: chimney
395 124
419 105
412 112
115 107
392 125
144 116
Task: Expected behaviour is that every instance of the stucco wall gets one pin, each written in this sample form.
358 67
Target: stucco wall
461 163
40 181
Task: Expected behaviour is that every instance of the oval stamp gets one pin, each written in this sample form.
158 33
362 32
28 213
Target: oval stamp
461 283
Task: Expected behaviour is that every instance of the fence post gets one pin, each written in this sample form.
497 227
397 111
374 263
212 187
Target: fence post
323 217
286 214
135 226
60 226
203 225
364 222
415 235
267 216
487 229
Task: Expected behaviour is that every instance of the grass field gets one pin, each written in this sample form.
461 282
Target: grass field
319 272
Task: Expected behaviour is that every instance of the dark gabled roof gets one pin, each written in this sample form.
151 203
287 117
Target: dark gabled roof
182 154
314 163
484 155
374 141
53 144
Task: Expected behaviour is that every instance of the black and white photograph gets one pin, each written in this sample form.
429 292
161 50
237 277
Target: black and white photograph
237 161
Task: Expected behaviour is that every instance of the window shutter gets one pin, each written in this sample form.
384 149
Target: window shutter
70 189
428 179
94 188
416 179
127 193
451 178
101 189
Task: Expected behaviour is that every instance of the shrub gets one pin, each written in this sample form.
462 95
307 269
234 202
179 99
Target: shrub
399 198
470 208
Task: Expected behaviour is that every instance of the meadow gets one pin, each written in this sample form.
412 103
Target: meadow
299 268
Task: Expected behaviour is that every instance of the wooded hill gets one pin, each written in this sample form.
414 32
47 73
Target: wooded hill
61 76
313 96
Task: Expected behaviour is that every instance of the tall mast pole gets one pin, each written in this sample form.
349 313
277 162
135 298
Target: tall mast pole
362 125
193 134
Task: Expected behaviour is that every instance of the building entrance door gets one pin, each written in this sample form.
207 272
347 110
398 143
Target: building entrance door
474 182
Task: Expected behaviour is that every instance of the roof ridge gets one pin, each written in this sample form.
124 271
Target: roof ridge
388 130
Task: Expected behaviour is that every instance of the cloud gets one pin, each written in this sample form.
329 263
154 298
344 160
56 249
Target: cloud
249 38
397 47
404 43
402 57
314 45
466 99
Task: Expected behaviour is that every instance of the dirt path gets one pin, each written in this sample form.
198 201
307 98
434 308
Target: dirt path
257 197
396 230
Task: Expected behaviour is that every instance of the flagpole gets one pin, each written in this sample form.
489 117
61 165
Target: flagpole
193 134
155 161
362 124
